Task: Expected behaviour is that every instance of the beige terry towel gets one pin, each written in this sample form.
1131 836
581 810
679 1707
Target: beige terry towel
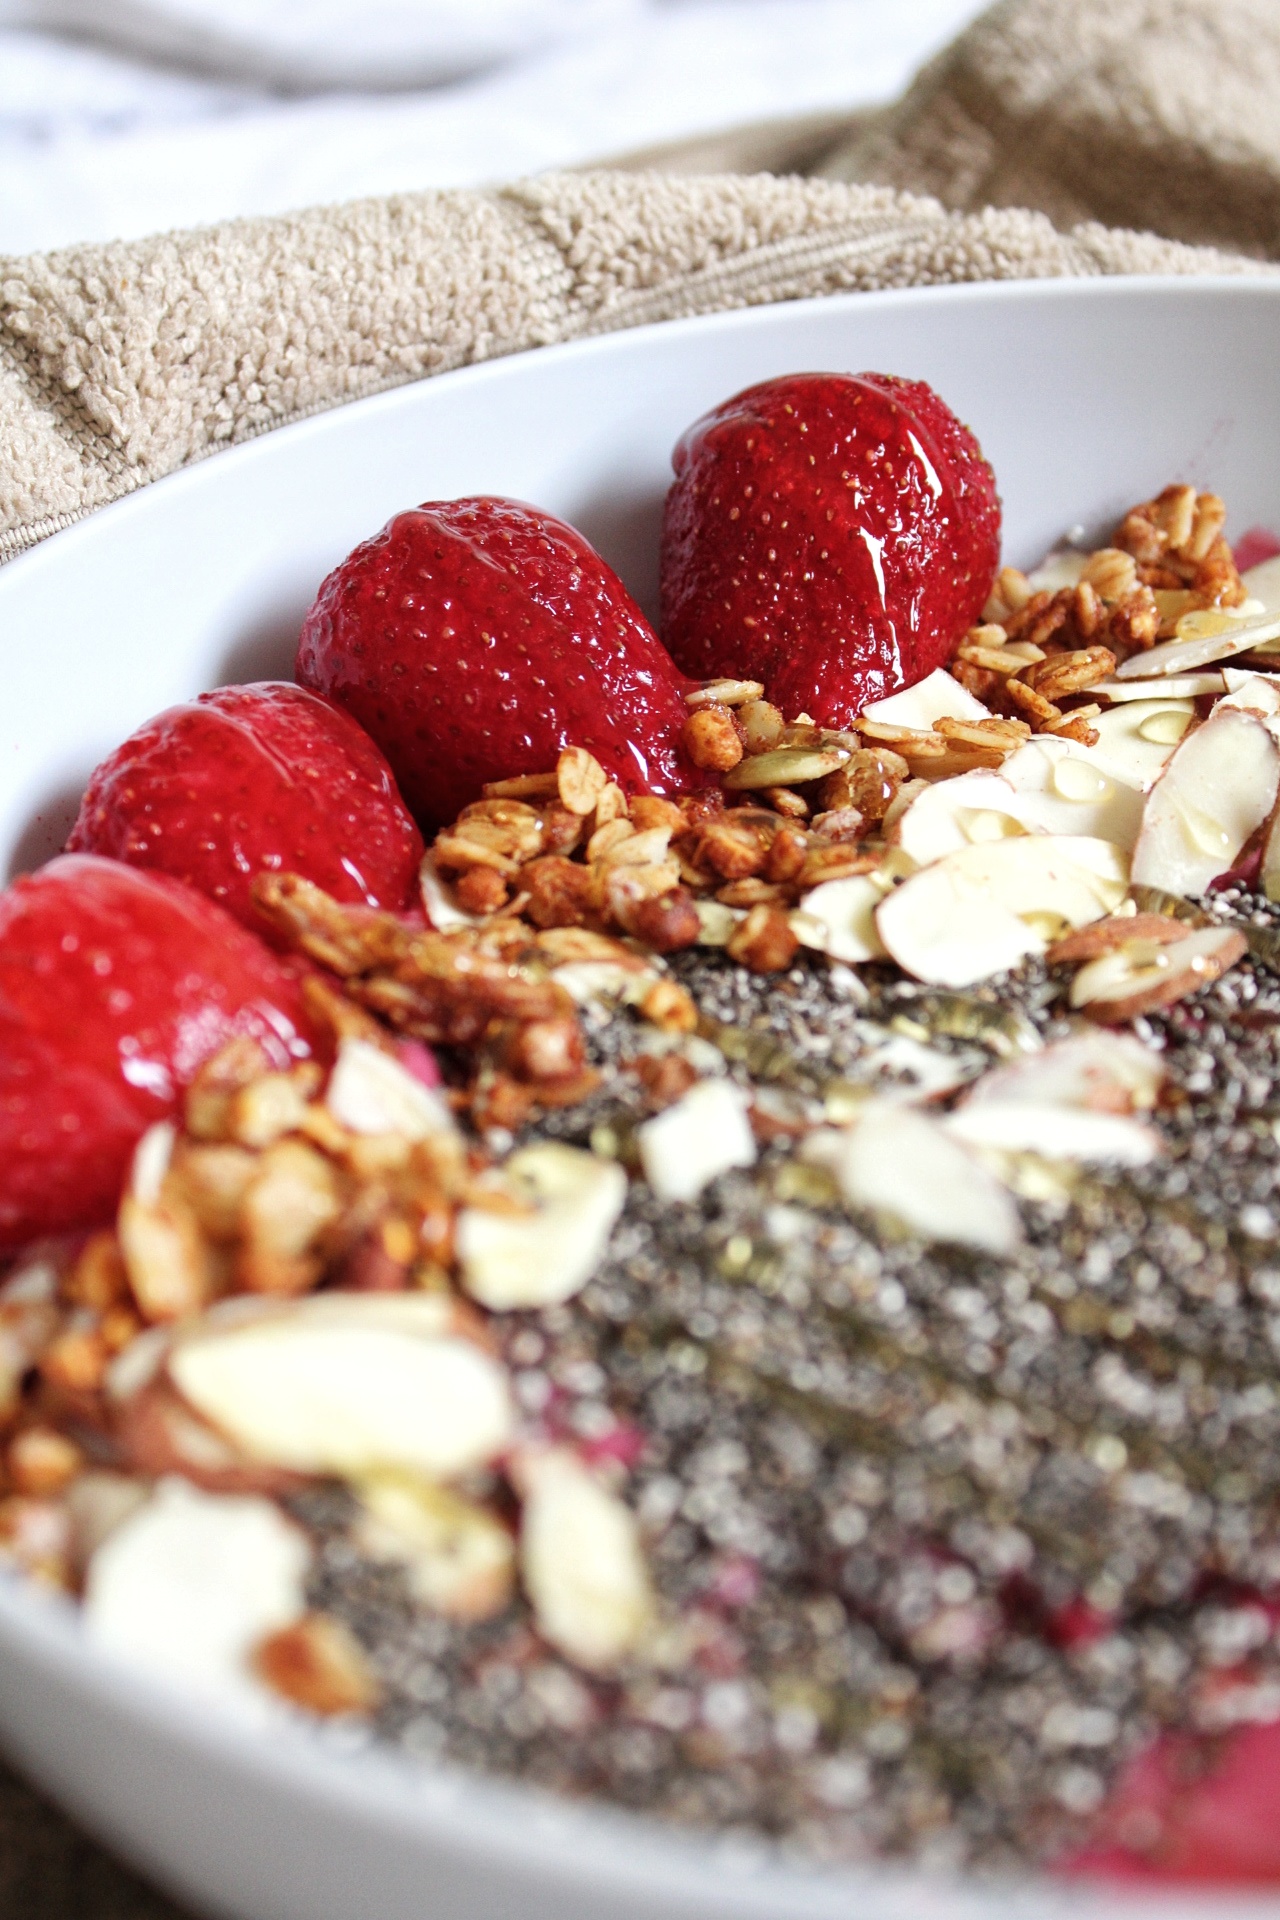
119 364
1162 114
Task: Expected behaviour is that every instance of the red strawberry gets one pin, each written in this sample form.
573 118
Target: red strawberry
114 986
475 638
831 534
266 778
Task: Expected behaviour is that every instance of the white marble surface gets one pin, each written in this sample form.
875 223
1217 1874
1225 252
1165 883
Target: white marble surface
123 117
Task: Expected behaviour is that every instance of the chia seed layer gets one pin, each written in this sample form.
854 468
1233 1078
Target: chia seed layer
941 1540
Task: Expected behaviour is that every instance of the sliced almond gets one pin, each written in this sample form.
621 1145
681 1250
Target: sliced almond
1173 686
458 1557
1262 583
1218 788
1117 930
981 910
369 1092
960 812
159 1433
170 1265
1136 739
717 922
900 1162
938 696
1138 978
97 1504
524 786
917 741
348 1384
838 919
581 1562
151 1160
1260 692
725 693
190 1582
546 1255
1054 1132
1064 787
701 1136
605 981
439 899
1064 567
901 1068
1100 1071
1204 637
1269 872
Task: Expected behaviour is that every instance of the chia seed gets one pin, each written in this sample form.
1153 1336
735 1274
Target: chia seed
941 1540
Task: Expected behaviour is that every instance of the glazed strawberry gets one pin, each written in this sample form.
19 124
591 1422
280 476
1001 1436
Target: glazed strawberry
833 535
265 778
475 638
114 986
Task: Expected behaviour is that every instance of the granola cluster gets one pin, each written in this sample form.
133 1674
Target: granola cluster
568 850
1039 651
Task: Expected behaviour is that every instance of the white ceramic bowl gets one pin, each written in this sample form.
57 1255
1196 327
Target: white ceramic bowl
1086 396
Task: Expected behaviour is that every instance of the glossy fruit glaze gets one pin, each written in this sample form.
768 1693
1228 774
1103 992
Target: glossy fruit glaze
114 986
473 639
246 780
833 535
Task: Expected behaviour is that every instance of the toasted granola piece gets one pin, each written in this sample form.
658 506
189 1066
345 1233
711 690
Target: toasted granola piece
786 855
765 940
211 1093
98 1278
786 801
996 735
348 940
711 739
670 1006
733 849
561 893
319 1664
761 725
1177 541
1037 709
649 810
481 890
750 893
580 780
543 1050
1063 674
665 922
41 1462
339 1016
291 1200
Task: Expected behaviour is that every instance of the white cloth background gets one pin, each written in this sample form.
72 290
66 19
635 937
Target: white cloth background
124 117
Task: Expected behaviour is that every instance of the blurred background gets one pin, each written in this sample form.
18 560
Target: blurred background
125 117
